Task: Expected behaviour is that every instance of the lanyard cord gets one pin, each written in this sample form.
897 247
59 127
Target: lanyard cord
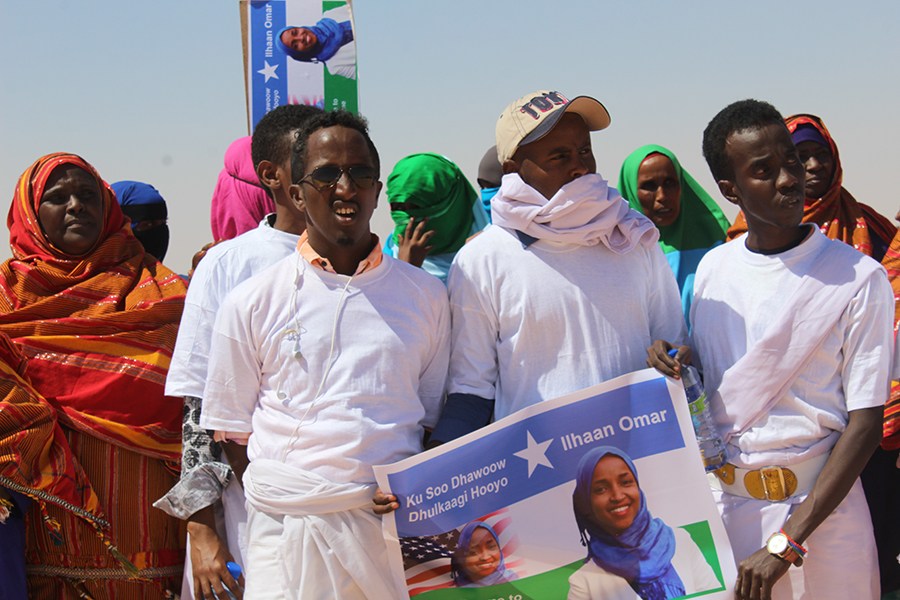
295 435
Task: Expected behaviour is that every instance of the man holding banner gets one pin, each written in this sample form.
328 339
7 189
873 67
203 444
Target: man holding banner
793 332
567 288
331 361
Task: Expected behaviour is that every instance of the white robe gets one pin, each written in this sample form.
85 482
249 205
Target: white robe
297 517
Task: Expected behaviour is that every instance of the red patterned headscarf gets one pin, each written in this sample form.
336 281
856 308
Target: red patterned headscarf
98 330
837 213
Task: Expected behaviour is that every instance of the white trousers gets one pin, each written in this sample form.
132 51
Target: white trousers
842 561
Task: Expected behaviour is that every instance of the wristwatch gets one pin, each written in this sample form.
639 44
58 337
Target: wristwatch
779 545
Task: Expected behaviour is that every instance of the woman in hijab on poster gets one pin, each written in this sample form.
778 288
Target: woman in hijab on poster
478 560
630 554
329 41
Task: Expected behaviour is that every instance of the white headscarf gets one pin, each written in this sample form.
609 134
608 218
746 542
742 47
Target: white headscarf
585 212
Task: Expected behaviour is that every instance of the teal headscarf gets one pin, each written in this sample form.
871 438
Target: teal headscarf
432 187
700 223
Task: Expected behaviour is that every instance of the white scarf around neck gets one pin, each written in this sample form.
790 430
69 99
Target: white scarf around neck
585 212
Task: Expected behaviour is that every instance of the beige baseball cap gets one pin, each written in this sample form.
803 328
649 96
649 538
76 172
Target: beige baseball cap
532 116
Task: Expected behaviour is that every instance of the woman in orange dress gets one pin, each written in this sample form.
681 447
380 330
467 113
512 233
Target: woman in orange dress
95 318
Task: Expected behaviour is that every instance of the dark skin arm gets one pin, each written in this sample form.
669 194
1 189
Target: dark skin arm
413 246
237 458
198 256
384 503
208 557
659 359
759 572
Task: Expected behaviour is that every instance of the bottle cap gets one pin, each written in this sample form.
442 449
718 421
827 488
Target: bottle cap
673 352
235 569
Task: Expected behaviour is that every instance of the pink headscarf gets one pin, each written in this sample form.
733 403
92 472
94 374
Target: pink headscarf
239 202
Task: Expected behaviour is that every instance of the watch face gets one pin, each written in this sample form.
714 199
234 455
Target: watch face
777 544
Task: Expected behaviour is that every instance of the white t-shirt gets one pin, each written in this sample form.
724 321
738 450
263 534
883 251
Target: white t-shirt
224 266
368 376
737 293
535 323
592 581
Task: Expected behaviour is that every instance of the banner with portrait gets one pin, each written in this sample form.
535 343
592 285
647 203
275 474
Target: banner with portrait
599 494
299 52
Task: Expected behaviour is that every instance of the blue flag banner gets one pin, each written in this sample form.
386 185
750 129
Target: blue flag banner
299 52
513 486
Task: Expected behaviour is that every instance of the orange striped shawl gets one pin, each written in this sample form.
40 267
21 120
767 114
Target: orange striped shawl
98 330
35 458
837 213
891 262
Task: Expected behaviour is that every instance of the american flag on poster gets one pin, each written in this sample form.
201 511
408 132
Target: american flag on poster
426 559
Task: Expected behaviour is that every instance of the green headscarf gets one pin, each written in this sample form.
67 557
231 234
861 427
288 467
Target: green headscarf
700 222
433 187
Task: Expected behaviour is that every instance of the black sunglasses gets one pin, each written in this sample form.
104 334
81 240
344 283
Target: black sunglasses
323 178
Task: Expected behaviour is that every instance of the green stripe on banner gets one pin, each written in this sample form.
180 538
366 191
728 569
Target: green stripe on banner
340 92
702 536
552 585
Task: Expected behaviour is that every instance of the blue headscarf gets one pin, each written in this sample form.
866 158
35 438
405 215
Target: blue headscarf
330 36
500 575
142 202
486 195
642 554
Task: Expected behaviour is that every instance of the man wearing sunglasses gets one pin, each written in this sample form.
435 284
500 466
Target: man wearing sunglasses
304 363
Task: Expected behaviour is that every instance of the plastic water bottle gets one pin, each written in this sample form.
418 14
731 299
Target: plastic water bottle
236 572
712 448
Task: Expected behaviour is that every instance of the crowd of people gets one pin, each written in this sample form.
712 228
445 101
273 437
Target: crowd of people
156 427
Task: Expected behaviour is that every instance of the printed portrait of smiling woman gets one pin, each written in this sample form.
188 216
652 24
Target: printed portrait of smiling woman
329 41
631 554
478 559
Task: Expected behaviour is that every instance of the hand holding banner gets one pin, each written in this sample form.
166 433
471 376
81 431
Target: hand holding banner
600 493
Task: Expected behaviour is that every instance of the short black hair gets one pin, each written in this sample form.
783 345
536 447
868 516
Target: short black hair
274 135
324 120
738 116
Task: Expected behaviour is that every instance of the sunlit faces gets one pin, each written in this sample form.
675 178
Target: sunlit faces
767 184
71 210
299 39
819 165
337 216
615 495
659 189
556 159
483 555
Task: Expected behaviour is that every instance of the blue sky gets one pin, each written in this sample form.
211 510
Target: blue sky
154 90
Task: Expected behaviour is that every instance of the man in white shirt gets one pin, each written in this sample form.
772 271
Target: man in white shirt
205 478
566 286
331 361
793 334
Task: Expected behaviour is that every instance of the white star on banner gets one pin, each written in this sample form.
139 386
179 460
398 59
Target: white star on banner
535 454
268 71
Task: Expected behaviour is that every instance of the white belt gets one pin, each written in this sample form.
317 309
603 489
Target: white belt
773 483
